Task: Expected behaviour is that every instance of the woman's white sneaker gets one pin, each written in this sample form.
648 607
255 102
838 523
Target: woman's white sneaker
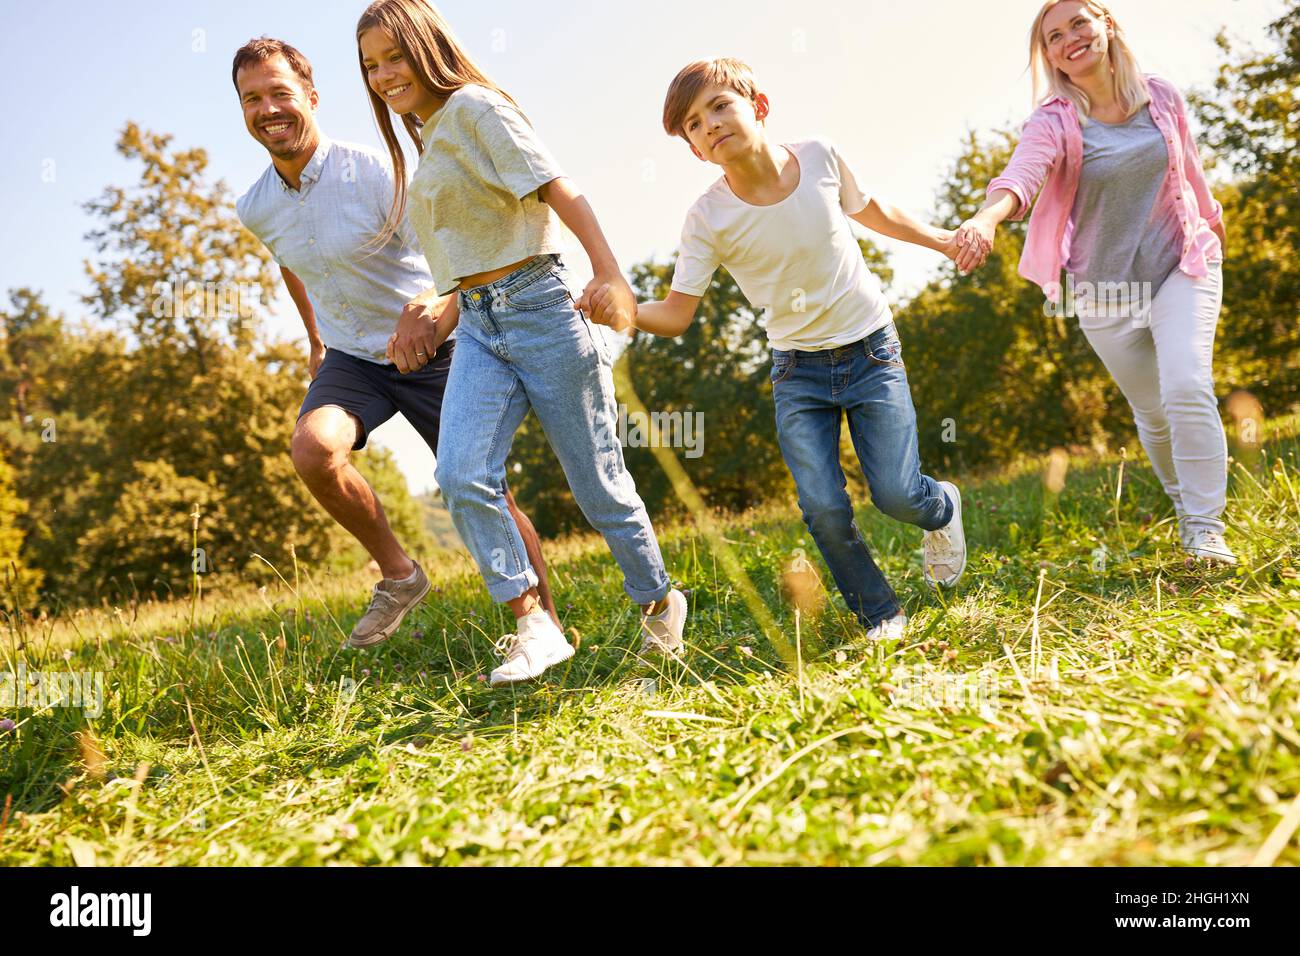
1207 545
539 644
890 630
945 550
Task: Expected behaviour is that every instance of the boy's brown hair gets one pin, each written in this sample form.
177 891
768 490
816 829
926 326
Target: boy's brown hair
725 71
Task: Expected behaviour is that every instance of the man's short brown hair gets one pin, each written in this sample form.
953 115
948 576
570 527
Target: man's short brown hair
694 77
263 49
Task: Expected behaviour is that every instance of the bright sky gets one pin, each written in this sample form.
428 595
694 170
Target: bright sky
895 84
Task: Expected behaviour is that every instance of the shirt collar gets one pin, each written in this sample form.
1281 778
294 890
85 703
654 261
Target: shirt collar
311 172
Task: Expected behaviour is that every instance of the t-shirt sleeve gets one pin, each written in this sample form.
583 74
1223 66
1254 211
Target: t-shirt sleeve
522 161
697 258
853 198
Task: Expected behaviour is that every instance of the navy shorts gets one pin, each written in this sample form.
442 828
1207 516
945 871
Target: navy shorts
374 393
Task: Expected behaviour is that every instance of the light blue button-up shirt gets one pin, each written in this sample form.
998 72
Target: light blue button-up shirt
320 233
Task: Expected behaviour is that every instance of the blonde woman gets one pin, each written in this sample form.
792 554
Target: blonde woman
1123 208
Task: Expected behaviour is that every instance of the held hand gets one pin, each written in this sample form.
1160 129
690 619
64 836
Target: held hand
948 244
609 300
411 347
315 358
974 242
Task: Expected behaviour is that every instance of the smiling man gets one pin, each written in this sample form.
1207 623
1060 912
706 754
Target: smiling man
370 313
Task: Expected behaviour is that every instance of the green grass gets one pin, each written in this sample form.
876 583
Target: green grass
1145 714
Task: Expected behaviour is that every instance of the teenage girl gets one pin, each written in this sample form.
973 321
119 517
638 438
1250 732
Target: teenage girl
487 200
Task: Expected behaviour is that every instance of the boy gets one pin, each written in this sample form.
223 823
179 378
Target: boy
776 219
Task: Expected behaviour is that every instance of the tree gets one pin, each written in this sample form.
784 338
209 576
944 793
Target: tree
145 544
29 342
1251 122
176 266
168 401
18 583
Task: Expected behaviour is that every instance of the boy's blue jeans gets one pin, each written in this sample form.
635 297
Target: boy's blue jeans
867 381
521 344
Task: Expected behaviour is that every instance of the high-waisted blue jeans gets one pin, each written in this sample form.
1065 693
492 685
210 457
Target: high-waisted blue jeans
521 344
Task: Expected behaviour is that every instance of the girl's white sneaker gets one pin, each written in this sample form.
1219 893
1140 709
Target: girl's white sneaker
539 644
662 634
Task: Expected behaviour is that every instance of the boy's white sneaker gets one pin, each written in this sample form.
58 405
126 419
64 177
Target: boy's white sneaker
945 550
662 633
537 645
890 630
1208 545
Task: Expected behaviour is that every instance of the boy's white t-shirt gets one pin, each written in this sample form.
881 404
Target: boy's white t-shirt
796 260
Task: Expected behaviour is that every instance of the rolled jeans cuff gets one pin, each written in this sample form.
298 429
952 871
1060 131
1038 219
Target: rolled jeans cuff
648 597
505 589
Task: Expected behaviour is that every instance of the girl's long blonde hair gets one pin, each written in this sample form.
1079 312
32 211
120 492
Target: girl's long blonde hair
440 64
1130 85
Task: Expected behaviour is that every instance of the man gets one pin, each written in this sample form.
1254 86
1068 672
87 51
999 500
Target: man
318 208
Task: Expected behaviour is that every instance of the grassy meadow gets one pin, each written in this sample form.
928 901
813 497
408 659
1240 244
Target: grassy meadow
1087 696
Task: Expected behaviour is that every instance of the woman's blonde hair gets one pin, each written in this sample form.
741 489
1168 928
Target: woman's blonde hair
1130 85
440 64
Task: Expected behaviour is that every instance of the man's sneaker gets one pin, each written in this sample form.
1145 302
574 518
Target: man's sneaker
945 549
539 644
1204 544
388 605
890 630
662 633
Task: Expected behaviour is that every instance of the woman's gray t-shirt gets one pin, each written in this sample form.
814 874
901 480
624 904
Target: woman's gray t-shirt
1122 233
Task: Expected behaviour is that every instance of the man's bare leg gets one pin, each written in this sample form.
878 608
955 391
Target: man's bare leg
533 546
322 456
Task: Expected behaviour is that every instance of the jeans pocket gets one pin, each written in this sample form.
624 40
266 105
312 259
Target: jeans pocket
782 366
884 348
598 340
546 291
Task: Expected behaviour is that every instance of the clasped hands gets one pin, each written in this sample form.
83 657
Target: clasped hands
609 300
411 347
969 246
